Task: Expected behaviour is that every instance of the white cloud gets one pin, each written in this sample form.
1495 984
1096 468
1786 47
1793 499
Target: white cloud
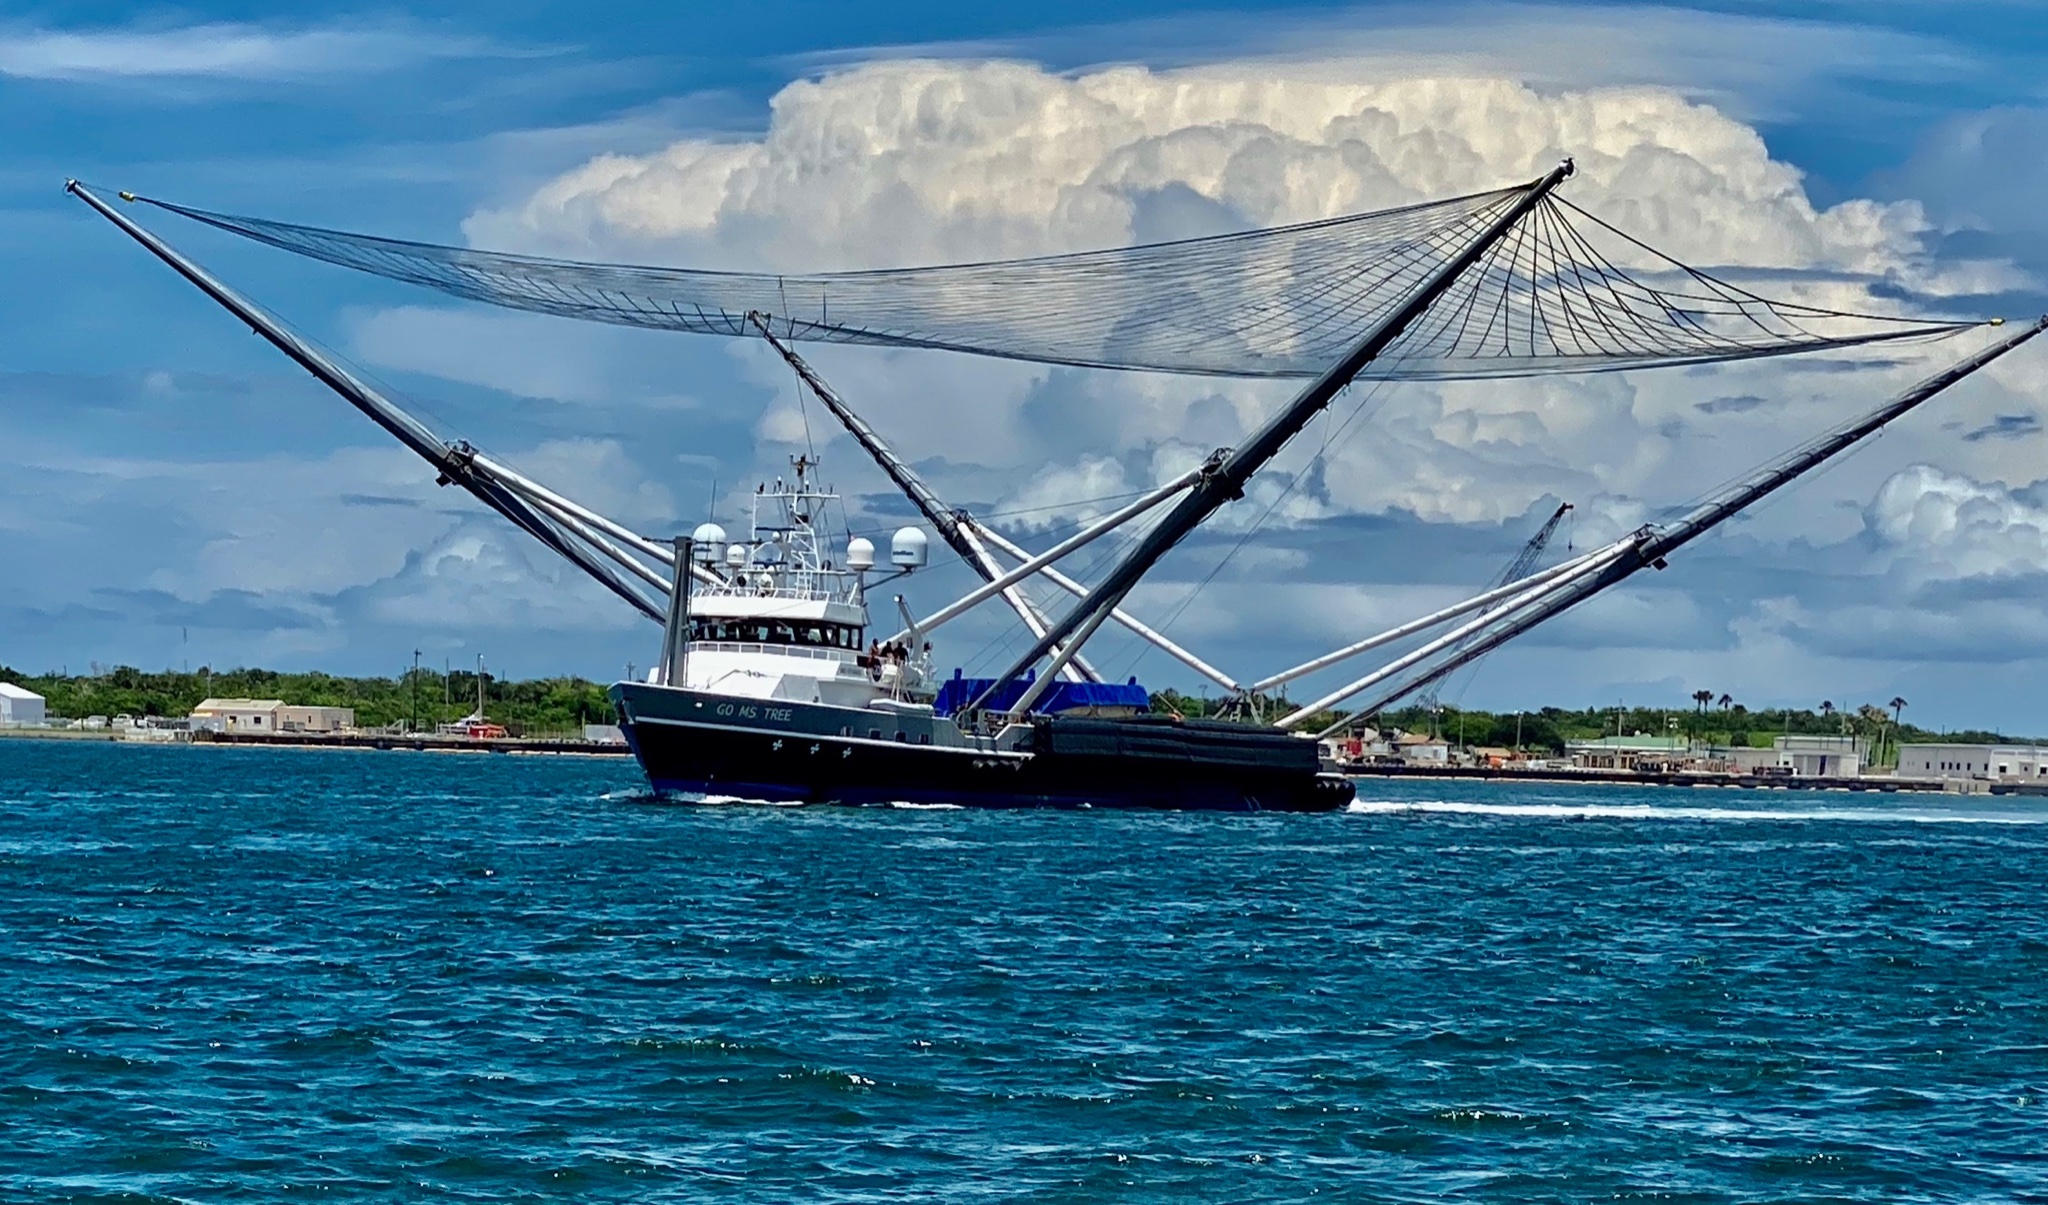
223 50
1948 525
916 161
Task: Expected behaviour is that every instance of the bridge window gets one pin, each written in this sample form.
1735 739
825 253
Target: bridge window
776 631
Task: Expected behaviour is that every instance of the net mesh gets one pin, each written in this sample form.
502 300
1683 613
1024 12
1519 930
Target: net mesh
1283 302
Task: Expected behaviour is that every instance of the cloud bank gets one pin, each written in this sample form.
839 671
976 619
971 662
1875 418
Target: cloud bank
928 161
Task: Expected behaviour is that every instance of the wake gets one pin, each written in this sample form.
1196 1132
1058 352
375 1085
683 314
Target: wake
1653 812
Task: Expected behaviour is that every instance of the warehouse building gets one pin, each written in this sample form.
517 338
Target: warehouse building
2007 763
19 707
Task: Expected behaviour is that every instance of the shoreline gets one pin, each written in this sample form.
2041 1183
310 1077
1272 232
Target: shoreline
1878 784
414 743
569 747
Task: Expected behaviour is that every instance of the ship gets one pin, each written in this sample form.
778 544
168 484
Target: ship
774 682
771 688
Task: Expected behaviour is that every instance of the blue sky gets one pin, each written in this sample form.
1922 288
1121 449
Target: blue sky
171 493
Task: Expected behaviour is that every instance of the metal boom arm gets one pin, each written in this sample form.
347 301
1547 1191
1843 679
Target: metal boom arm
1651 546
456 463
943 518
958 528
1228 480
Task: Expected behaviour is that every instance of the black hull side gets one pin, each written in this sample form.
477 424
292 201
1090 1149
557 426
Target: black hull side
790 765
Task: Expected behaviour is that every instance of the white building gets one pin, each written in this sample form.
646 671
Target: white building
2010 763
237 715
19 707
1821 756
1793 756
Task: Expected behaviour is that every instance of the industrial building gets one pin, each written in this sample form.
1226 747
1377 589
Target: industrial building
1641 752
2007 763
19 707
1791 756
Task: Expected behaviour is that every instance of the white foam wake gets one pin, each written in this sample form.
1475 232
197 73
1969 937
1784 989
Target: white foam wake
1645 811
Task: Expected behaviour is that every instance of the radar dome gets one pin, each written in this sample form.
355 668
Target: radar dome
860 554
909 548
736 556
706 541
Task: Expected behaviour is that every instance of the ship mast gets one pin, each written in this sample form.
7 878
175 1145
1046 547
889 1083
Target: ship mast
1227 481
944 519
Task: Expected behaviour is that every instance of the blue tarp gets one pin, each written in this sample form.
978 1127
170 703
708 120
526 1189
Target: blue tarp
958 692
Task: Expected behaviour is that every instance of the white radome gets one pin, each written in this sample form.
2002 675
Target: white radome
909 548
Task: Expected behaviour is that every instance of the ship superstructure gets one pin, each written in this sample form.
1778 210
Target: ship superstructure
779 618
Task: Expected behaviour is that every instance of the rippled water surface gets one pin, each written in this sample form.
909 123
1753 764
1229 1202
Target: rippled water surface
272 975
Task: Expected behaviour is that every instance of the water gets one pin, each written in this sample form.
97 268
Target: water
282 975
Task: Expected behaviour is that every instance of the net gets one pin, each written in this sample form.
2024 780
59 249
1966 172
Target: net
1282 302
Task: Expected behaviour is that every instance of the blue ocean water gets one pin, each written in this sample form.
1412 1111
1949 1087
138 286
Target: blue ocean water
231 974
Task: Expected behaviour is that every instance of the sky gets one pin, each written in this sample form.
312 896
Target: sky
175 494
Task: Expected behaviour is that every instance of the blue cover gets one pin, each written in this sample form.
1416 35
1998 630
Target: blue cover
958 692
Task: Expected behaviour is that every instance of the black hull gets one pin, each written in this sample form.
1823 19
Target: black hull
800 756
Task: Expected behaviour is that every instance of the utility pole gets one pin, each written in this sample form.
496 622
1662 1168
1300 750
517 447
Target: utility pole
1518 732
415 690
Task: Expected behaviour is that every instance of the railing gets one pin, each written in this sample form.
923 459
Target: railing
792 593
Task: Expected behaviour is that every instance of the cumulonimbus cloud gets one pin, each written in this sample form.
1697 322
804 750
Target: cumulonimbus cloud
926 160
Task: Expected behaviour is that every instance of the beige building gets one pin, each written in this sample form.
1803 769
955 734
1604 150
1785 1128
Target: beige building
1422 750
292 718
1641 752
237 715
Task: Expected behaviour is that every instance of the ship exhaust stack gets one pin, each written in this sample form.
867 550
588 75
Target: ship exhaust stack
675 633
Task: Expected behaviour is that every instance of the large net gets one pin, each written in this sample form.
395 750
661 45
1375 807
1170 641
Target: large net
1548 297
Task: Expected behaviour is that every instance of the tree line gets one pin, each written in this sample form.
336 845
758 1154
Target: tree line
1712 719
533 705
